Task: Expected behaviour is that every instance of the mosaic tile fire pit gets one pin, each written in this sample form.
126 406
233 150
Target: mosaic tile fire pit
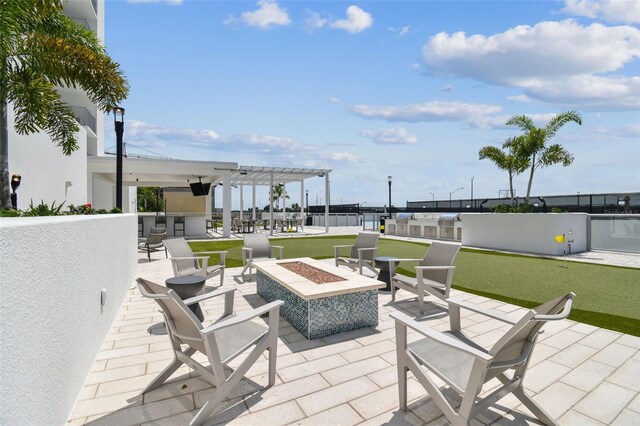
347 302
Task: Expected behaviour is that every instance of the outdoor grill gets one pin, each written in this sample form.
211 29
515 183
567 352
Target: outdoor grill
446 223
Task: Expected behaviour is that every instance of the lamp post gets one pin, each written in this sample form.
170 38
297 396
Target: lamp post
433 196
307 198
453 192
389 179
118 121
472 202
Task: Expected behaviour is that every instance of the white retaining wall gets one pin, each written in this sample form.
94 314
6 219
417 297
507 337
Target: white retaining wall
51 321
525 232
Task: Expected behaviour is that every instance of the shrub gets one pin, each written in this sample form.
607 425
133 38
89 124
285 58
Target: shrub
505 208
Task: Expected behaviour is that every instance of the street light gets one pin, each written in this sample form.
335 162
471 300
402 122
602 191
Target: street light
307 196
453 192
389 179
118 121
433 196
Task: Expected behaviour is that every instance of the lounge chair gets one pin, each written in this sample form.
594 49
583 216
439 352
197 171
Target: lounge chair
433 275
465 367
221 342
361 252
257 247
154 241
185 261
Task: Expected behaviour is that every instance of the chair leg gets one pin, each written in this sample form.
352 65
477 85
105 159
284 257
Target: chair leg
221 278
533 406
210 407
149 253
421 301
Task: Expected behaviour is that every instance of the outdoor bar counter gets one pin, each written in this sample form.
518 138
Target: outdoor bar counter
194 223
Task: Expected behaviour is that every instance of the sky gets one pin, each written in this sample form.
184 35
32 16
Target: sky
370 89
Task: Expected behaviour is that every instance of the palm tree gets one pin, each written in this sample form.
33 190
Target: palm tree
533 144
41 48
279 193
506 161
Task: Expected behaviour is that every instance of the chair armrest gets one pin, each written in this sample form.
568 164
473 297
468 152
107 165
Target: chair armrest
373 249
279 251
441 338
433 268
500 316
336 249
223 255
217 292
245 316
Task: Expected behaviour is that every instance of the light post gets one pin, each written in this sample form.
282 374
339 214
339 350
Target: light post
453 192
389 179
433 196
472 202
307 198
118 121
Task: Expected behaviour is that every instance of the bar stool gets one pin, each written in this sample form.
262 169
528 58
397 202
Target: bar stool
140 226
178 225
161 222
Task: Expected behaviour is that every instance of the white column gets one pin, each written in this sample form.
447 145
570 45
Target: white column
207 203
271 203
326 202
284 201
241 201
253 193
302 212
226 205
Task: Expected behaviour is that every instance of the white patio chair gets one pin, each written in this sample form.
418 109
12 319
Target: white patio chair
433 275
361 252
224 340
257 247
465 366
154 241
185 261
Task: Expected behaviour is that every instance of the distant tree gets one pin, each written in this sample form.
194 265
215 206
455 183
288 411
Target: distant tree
149 200
279 193
506 161
533 143
41 48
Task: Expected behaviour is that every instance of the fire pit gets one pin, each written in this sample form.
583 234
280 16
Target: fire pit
317 301
311 273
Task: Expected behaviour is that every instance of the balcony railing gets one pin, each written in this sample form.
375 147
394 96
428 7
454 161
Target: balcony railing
94 3
85 118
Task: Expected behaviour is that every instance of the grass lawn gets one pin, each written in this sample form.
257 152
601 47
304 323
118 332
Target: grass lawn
606 296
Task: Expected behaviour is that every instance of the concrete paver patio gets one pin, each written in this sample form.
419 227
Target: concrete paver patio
580 374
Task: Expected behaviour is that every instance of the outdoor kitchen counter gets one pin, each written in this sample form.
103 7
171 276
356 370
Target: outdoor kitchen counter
194 223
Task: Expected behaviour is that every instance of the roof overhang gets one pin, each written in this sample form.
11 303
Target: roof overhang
159 172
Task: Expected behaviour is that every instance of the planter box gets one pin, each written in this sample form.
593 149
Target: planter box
526 232
52 320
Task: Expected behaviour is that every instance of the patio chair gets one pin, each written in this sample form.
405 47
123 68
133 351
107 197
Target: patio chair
362 252
465 367
299 224
257 247
433 275
153 242
221 342
236 224
185 261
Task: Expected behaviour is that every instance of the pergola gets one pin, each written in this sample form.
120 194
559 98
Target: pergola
261 176
178 173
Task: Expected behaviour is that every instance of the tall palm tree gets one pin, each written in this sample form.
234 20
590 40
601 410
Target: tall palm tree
279 193
41 48
506 161
533 144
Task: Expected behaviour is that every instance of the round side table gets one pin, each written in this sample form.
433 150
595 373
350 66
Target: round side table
382 262
186 287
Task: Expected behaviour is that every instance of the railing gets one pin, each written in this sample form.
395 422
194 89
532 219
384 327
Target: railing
94 3
618 232
85 118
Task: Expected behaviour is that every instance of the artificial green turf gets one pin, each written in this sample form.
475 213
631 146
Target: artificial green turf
606 296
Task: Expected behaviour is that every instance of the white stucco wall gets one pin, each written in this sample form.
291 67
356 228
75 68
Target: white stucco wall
525 232
51 321
45 170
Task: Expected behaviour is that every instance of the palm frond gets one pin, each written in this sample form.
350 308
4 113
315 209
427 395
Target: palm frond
560 120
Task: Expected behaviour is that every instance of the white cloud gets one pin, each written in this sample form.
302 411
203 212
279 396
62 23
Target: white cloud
335 100
339 156
268 14
314 21
551 61
519 98
447 88
357 21
429 111
625 11
404 30
390 136
171 2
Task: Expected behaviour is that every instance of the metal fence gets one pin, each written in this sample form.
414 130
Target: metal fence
611 203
